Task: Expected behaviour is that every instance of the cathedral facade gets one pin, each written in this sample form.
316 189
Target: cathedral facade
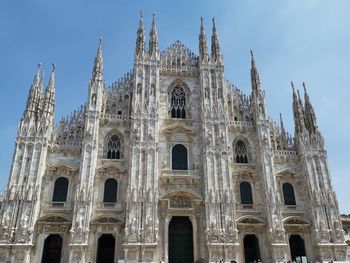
171 163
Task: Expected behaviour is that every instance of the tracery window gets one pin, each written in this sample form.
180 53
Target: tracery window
60 190
110 191
113 147
241 152
178 103
246 193
179 157
288 194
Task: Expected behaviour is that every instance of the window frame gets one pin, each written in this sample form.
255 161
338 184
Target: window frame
104 191
172 159
54 188
284 196
251 193
119 149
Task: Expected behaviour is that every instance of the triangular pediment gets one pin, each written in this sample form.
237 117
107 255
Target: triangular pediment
286 172
244 170
63 166
178 127
111 167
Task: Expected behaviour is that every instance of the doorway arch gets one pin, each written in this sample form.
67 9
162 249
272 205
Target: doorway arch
105 249
251 248
52 249
297 246
180 240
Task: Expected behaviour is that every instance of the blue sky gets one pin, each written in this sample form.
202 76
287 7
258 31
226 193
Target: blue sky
306 40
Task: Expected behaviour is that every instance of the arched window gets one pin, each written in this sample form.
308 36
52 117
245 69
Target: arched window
178 103
179 157
246 193
114 147
61 189
288 194
110 191
241 152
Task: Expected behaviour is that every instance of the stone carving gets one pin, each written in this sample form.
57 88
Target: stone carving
180 202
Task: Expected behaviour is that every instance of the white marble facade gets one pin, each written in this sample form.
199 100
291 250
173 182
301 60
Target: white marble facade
171 157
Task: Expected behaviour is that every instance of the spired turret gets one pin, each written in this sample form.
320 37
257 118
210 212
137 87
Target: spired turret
140 39
258 95
153 39
96 85
35 97
215 45
97 72
203 48
307 133
49 100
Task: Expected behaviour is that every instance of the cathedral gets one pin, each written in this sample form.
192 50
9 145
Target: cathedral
170 163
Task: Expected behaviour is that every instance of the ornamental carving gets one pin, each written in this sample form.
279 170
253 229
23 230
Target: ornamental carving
180 202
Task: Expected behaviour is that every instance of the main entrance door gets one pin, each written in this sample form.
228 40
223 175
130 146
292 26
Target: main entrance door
180 240
52 249
297 246
251 248
105 249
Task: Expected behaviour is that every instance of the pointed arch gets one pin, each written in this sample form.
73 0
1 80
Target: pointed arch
179 95
241 151
113 146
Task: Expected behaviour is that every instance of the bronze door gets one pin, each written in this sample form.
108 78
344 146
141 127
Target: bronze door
52 249
180 240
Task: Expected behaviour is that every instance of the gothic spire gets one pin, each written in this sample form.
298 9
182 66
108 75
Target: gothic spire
97 73
215 46
203 49
255 78
34 100
153 37
310 116
49 101
140 40
297 111
283 132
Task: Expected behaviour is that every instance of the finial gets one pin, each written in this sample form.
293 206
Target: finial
304 86
39 66
141 14
100 39
252 58
214 27
53 67
292 84
154 16
299 95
